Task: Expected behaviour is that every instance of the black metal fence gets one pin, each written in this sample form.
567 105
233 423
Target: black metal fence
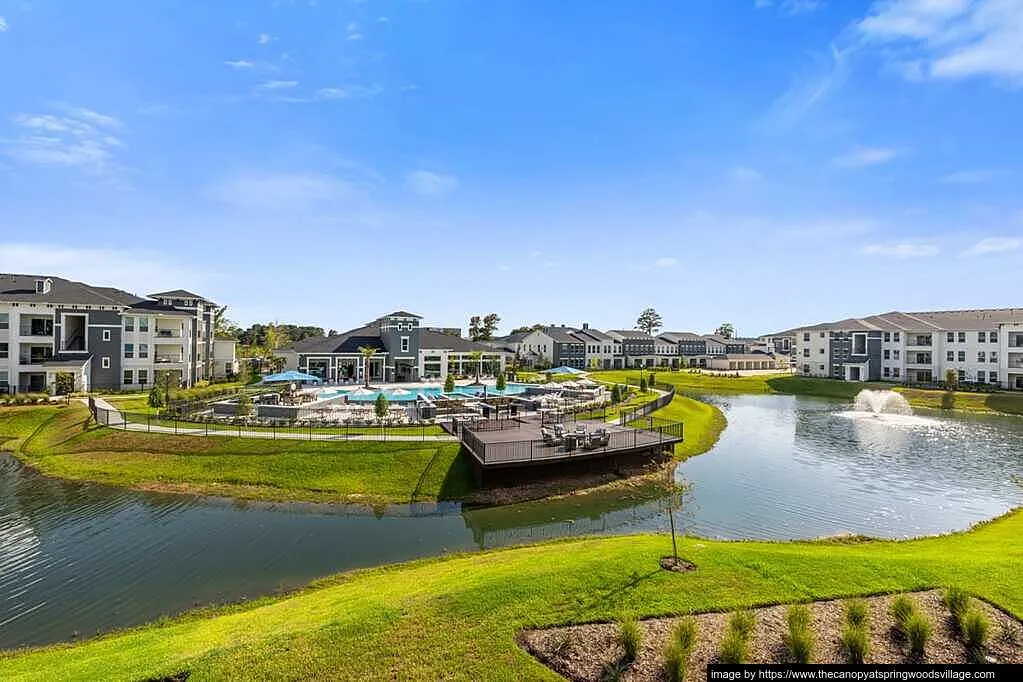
573 444
632 414
271 429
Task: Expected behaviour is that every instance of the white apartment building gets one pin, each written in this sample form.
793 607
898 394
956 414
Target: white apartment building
981 346
103 338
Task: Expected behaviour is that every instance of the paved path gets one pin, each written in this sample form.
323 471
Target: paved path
115 419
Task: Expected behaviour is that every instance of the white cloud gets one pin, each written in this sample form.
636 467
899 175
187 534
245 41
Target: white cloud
136 271
793 7
281 190
865 156
239 64
3 24
950 38
277 85
901 251
75 138
666 262
383 20
264 38
762 4
430 184
353 31
745 174
808 90
970 177
994 245
331 93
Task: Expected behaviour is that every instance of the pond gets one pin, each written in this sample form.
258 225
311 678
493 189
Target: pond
78 559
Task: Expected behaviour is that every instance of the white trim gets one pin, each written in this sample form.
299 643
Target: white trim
112 326
104 362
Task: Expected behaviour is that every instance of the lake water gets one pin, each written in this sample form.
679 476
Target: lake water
77 559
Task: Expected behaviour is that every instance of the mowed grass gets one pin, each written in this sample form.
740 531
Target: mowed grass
457 617
58 441
1011 403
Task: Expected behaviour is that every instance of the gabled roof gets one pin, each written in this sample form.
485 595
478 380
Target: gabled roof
401 313
675 337
157 308
562 334
433 341
939 320
22 289
723 339
180 293
630 334
346 342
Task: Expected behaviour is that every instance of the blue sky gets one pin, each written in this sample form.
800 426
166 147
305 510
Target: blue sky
770 163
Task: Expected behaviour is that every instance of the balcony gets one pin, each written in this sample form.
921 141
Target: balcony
919 341
167 333
36 328
34 359
168 359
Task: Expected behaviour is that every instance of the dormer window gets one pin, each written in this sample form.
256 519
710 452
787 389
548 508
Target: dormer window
43 286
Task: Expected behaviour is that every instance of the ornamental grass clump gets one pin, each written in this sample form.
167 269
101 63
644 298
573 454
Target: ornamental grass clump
855 638
799 639
735 645
957 601
975 627
629 637
901 610
679 649
918 630
856 612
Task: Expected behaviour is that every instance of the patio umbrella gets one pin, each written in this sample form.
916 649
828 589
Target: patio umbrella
361 391
290 375
400 392
565 370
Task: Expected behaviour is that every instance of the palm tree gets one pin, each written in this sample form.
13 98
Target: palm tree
477 358
367 354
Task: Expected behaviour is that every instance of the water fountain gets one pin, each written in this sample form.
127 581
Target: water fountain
881 402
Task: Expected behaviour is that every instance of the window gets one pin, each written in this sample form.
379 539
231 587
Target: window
962 356
822 368
981 337
895 338
143 376
129 350
887 371
887 337
822 335
950 356
950 337
895 355
993 356
806 352
5 320
993 377
806 336
129 376
404 344
806 369
962 337
129 324
992 337
980 376
3 377
895 372
4 352
887 354
980 356
143 350
143 324
106 334
105 363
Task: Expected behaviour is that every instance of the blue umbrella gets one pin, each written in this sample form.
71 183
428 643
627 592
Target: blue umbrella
290 375
565 370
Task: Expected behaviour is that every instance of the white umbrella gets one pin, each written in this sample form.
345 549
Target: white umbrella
401 392
361 391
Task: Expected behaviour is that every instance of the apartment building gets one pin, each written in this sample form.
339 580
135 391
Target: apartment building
101 337
406 351
980 346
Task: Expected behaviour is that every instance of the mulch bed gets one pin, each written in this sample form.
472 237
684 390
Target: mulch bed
586 652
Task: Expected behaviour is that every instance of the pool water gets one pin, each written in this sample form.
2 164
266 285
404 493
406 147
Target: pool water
408 395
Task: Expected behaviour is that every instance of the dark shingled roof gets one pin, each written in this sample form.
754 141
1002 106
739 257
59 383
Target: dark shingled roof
432 340
402 313
159 308
179 293
346 342
594 334
562 334
22 289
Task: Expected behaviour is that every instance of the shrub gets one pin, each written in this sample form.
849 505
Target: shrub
156 397
244 405
975 627
742 622
449 383
856 612
642 385
629 637
685 634
799 640
680 649
918 631
901 609
652 380
501 382
380 406
956 600
734 648
855 643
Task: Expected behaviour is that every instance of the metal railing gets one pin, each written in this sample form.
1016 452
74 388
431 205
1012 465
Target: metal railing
634 413
572 445
268 429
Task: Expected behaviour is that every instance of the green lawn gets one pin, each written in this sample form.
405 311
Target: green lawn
457 617
1011 403
59 442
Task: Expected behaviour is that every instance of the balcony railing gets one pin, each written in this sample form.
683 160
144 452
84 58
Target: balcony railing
33 359
37 331
167 334
167 359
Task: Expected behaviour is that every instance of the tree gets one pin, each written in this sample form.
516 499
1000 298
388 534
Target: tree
951 379
64 383
162 383
380 406
652 380
616 394
649 321
642 384
483 328
477 360
501 383
244 405
156 397
531 328
367 354
726 330
449 383
223 327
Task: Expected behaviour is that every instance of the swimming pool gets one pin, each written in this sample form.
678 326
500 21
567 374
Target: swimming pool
399 394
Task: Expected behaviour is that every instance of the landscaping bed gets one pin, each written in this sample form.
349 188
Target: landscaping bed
595 651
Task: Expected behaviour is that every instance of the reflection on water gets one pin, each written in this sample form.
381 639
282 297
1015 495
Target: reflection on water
78 559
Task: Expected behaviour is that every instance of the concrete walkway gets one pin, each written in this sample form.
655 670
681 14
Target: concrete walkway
114 419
